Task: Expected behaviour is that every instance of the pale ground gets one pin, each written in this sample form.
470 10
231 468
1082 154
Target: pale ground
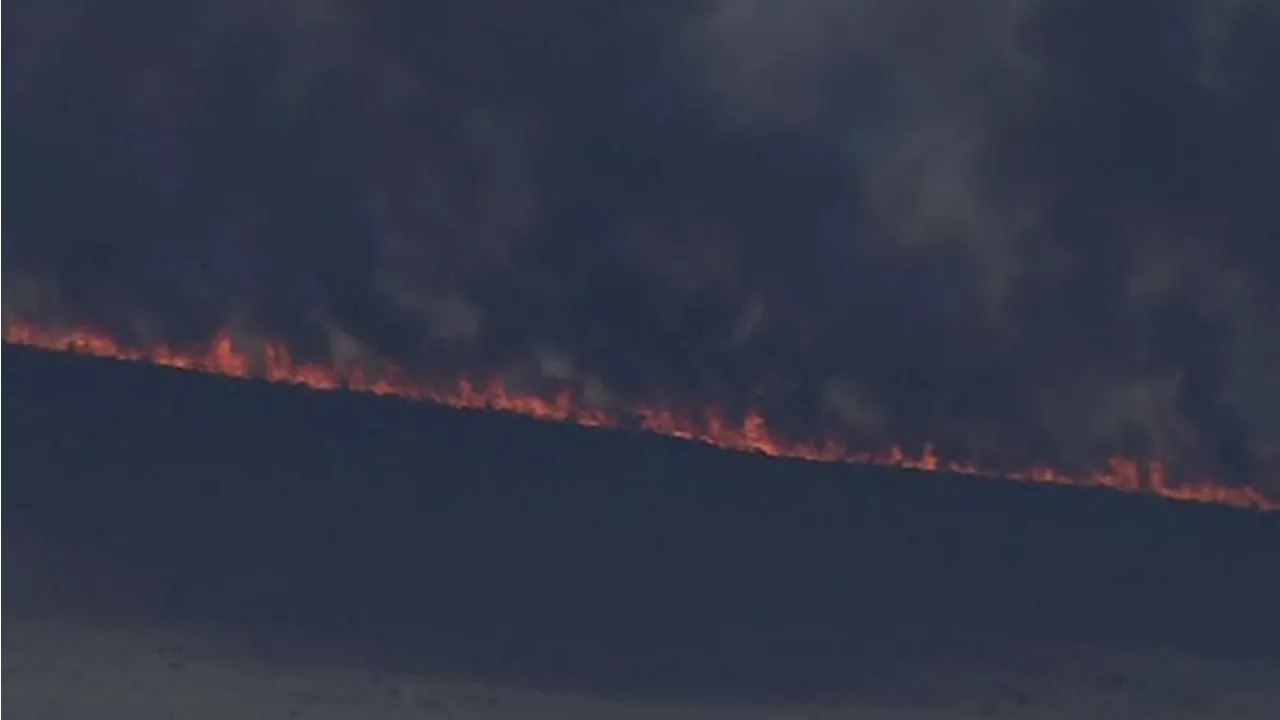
59 668
62 665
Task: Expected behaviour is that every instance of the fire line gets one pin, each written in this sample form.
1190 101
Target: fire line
752 435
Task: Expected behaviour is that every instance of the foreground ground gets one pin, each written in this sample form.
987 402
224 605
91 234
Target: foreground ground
179 546
57 668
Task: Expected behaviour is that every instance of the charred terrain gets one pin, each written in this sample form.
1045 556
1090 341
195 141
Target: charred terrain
887 358
484 546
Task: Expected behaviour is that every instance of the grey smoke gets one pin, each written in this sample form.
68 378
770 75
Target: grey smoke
1021 228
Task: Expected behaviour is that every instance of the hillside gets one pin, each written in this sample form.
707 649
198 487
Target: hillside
479 545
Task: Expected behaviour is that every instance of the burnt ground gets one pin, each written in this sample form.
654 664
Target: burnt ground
477 545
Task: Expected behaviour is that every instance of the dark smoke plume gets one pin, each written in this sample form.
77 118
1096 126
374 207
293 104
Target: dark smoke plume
1023 228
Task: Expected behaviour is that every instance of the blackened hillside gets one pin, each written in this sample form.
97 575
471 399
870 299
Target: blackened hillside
477 543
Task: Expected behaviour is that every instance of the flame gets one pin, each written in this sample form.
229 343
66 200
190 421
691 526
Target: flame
277 365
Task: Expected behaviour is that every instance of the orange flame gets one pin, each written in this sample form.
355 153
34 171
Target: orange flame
277 365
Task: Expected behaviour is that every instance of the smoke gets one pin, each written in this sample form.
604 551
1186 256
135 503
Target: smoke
1020 228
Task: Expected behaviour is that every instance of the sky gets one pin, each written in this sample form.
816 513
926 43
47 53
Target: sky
1023 229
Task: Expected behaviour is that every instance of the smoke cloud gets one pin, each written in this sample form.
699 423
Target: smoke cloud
1020 228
